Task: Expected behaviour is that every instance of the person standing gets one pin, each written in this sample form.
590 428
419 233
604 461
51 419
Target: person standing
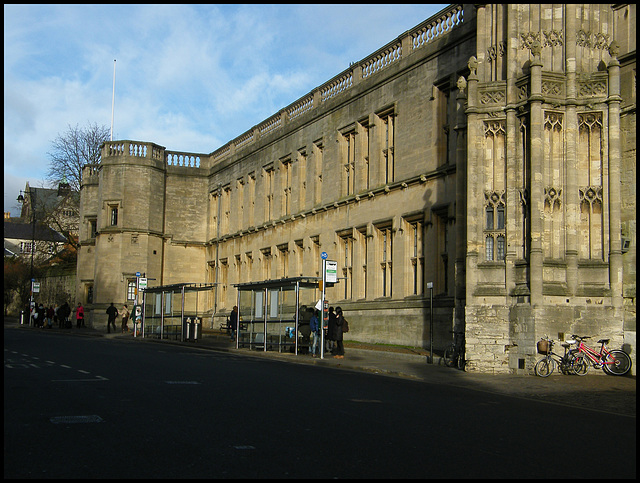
314 324
50 313
339 324
233 321
125 318
331 340
42 315
63 312
112 312
79 316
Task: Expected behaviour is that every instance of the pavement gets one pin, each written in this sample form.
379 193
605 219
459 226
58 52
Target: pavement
594 392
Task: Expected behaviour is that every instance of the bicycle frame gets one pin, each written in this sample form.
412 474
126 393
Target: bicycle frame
564 363
594 356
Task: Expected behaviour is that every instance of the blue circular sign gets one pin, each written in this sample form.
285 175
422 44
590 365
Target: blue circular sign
324 255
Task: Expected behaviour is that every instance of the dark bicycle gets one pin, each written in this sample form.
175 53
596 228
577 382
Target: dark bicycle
568 363
454 354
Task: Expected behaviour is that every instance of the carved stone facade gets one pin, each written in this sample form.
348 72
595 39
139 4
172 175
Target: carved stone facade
489 151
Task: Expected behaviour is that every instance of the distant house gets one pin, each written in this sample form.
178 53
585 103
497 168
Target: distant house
20 238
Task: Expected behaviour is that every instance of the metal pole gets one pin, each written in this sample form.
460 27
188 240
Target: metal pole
297 316
32 197
322 310
430 286
113 97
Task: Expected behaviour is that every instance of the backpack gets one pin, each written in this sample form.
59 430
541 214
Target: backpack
345 325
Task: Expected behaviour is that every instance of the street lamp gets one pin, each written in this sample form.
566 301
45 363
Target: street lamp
32 199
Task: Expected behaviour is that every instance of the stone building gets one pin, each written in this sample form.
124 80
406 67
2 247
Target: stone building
488 153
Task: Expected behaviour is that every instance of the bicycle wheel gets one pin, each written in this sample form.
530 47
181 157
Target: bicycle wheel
461 361
449 356
579 366
544 367
617 363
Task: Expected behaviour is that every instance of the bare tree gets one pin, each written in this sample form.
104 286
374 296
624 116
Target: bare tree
74 149
70 152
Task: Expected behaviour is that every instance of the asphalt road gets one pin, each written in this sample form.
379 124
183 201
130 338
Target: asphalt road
78 407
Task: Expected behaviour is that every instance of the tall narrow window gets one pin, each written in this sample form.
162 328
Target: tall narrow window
268 192
489 248
114 216
494 226
386 255
445 107
361 275
348 164
299 257
318 154
362 171
225 209
239 202
266 263
302 180
346 242
416 260
285 171
387 148
283 265
224 280
238 267
315 252
251 197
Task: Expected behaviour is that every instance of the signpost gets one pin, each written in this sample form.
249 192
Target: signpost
324 257
430 287
331 271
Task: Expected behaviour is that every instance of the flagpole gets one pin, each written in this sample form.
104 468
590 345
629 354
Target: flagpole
113 97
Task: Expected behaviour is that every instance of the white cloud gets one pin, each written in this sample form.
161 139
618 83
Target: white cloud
188 77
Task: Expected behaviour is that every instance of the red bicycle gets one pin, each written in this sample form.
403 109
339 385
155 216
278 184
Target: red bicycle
613 362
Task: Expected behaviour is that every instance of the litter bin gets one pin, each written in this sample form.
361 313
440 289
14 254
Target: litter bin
187 331
197 327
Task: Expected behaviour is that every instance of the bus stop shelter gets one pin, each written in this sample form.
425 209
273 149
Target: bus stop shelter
275 314
175 311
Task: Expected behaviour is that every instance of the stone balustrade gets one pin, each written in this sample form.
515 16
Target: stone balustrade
436 26
150 151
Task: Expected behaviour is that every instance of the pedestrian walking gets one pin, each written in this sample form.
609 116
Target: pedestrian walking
125 318
79 316
341 325
112 313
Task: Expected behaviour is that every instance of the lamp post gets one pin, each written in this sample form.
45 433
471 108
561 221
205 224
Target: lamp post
32 207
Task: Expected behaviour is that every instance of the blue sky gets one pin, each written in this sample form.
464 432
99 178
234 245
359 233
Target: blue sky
188 77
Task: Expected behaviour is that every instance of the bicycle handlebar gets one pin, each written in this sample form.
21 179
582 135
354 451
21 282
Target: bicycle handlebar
580 337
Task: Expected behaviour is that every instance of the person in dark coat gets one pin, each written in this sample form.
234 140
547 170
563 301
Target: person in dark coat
112 313
339 350
64 312
331 336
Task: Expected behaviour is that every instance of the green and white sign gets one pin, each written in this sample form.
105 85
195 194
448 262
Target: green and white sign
331 271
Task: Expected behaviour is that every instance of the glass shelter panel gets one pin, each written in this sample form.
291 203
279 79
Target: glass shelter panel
272 317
